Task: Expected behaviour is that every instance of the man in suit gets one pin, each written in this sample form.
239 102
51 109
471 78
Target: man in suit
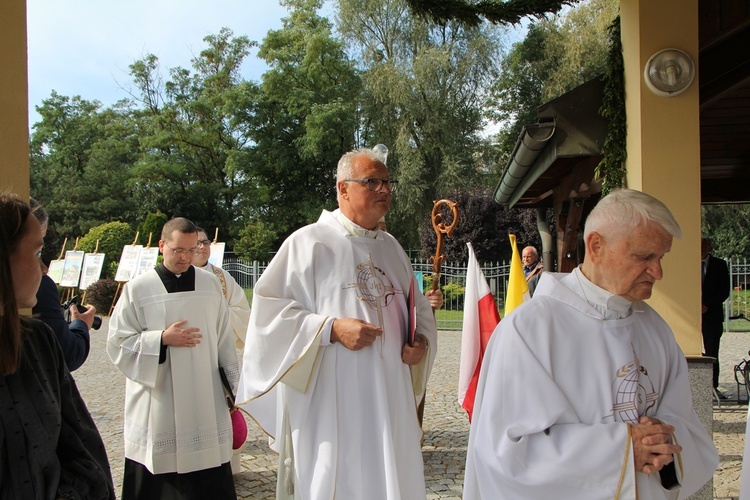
715 288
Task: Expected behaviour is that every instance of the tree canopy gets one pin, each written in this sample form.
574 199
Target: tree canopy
257 159
423 96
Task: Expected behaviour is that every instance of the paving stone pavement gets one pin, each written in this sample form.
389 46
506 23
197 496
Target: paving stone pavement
445 423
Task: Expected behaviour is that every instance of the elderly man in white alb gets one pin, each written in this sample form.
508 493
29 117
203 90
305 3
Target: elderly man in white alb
583 392
326 366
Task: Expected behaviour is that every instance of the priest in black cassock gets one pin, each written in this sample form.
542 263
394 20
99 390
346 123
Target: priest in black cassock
169 334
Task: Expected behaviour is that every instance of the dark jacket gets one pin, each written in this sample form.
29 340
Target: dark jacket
49 444
73 338
715 289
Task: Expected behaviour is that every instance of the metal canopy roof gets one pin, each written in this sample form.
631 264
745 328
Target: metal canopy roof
569 133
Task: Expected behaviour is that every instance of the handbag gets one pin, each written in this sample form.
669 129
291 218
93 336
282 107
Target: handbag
239 426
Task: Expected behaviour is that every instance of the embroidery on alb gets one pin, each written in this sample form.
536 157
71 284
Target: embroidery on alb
633 391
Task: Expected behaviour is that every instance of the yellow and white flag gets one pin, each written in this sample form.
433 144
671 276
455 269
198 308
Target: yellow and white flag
518 290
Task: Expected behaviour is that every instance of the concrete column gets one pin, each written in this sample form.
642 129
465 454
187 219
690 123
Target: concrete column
14 120
664 152
664 161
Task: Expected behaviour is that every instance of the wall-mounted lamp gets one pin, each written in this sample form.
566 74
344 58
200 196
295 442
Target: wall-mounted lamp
669 72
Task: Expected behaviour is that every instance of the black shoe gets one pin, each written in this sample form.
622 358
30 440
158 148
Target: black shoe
720 394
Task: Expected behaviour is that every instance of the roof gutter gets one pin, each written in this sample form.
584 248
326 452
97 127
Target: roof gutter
519 175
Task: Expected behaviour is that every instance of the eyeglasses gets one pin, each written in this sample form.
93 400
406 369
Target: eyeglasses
377 184
204 243
184 253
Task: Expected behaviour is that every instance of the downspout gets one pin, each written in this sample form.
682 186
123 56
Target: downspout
548 255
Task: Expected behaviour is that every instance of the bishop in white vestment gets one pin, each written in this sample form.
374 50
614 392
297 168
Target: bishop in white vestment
343 419
572 379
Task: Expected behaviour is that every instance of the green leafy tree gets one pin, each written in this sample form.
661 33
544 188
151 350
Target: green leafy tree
80 164
256 242
195 137
726 226
496 11
484 224
304 119
152 225
424 91
109 239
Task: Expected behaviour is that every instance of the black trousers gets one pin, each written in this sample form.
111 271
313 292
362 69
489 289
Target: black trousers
711 338
139 484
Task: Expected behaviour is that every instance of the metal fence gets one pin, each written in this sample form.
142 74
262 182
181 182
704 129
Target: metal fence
453 283
737 308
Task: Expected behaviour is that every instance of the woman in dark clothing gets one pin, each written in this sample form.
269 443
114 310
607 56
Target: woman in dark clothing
49 445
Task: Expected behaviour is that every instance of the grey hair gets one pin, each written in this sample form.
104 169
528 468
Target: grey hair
345 168
624 209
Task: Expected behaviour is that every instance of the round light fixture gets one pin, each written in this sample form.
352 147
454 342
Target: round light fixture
669 72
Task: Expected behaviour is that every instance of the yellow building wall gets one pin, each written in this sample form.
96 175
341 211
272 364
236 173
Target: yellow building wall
664 152
14 121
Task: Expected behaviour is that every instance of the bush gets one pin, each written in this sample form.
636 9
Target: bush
111 237
255 241
101 295
454 294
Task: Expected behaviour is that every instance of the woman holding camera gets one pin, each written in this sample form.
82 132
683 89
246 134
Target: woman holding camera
73 334
50 447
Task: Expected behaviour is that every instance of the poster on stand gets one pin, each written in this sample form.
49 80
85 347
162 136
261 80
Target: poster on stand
92 269
128 262
71 269
147 260
55 270
217 254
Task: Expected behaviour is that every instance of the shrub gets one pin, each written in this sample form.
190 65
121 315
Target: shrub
454 294
255 241
101 294
111 237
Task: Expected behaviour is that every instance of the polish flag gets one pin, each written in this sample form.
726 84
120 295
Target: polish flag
480 319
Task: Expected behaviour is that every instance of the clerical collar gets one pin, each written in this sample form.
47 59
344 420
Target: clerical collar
184 282
355 229
610 305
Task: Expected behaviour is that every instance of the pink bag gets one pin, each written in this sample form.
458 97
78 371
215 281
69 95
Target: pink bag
239 429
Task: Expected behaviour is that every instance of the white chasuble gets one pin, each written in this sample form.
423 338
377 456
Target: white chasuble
176 417
558 387
349 416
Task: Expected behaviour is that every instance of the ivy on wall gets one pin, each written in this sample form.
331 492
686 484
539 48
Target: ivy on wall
611 170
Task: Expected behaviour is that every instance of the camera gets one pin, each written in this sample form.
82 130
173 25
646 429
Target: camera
75 302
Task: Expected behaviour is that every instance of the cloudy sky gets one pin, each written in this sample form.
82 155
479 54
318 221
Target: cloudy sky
84 47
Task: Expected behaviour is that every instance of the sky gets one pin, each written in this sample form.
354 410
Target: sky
84 47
